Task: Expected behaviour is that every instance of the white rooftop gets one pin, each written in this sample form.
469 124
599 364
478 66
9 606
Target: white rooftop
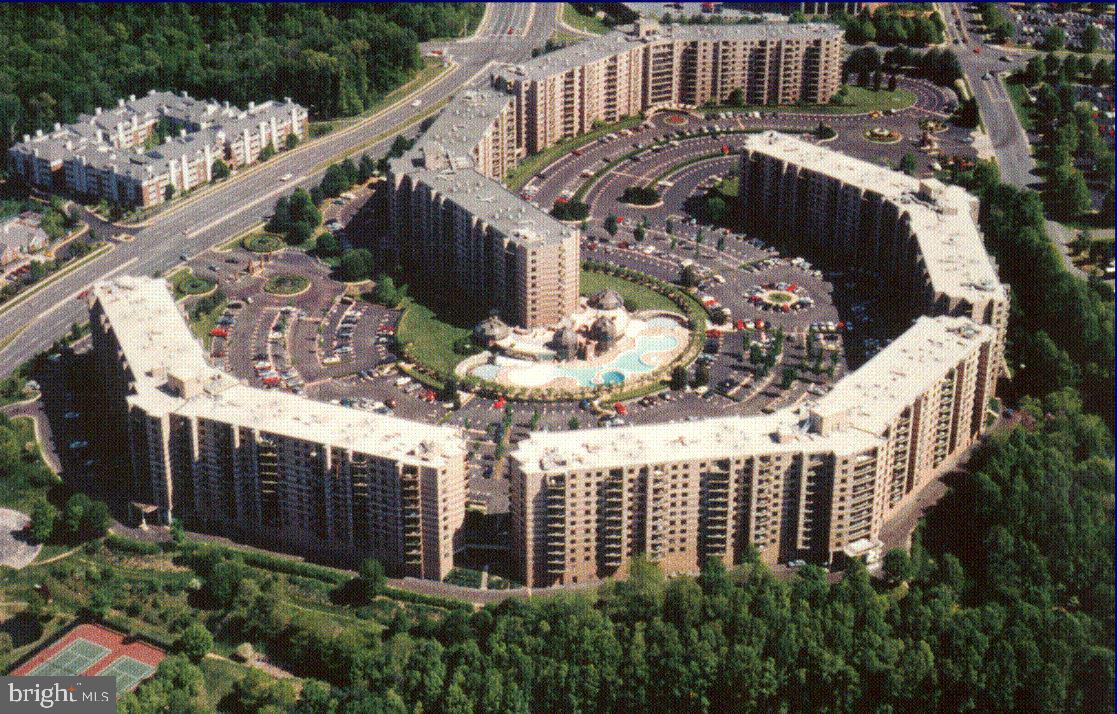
157 344
880 389
941 216
872 396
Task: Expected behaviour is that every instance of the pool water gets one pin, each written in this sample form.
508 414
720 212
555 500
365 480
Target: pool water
626 363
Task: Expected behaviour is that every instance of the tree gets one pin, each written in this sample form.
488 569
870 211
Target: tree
678 377
736 97
1068 193
291 141
298 233
43 518
328 245
892 82
716 209
194 642
1091 39
574 424
896 566
1034 71
701 375
267 152
721 243
1054 38
356 265
219 170
638 234
611 226
370 576
789 375
878 80
688 276
908 164
168 192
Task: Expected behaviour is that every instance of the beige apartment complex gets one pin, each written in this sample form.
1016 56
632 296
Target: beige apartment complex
265 466
813 482
603 79
921 233
109 155
455 222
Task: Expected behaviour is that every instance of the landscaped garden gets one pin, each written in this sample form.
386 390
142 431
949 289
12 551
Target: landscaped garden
185 282
636 297
286 284
262 242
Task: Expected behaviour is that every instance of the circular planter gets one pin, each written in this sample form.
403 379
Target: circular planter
286 284
262 243
195 285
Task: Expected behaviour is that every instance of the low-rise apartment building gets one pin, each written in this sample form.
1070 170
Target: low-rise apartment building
813 482
561 94
110 154
264 466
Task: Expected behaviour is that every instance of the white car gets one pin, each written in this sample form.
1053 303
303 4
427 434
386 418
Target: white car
417 102
286 177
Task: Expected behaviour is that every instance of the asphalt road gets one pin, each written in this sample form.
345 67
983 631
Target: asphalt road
1006 134
508 33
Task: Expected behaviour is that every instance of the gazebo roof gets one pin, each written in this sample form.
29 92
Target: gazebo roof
607 299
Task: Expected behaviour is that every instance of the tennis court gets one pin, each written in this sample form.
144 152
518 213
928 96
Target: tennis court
71 660
128 672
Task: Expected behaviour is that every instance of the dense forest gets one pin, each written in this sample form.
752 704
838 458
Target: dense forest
60 59
1007 608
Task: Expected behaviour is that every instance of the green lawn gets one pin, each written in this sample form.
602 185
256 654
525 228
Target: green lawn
431 338
729 187
858 100
185 283
585 23
263 242
535 163
1019 95
638 296
19 492
206 322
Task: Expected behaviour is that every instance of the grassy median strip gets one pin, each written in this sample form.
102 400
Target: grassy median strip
535 163
682 165
342 155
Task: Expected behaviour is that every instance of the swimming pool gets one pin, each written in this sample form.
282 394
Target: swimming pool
630 362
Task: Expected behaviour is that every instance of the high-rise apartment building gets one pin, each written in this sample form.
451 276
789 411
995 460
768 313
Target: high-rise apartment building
265 466
455 222
920 233
813 482
561 94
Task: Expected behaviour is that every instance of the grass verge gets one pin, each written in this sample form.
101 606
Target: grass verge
535 163
858 100
585 23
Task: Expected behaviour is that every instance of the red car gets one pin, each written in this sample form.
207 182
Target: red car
499 403
620 409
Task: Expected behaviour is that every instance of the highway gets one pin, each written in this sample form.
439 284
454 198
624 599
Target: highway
508 32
